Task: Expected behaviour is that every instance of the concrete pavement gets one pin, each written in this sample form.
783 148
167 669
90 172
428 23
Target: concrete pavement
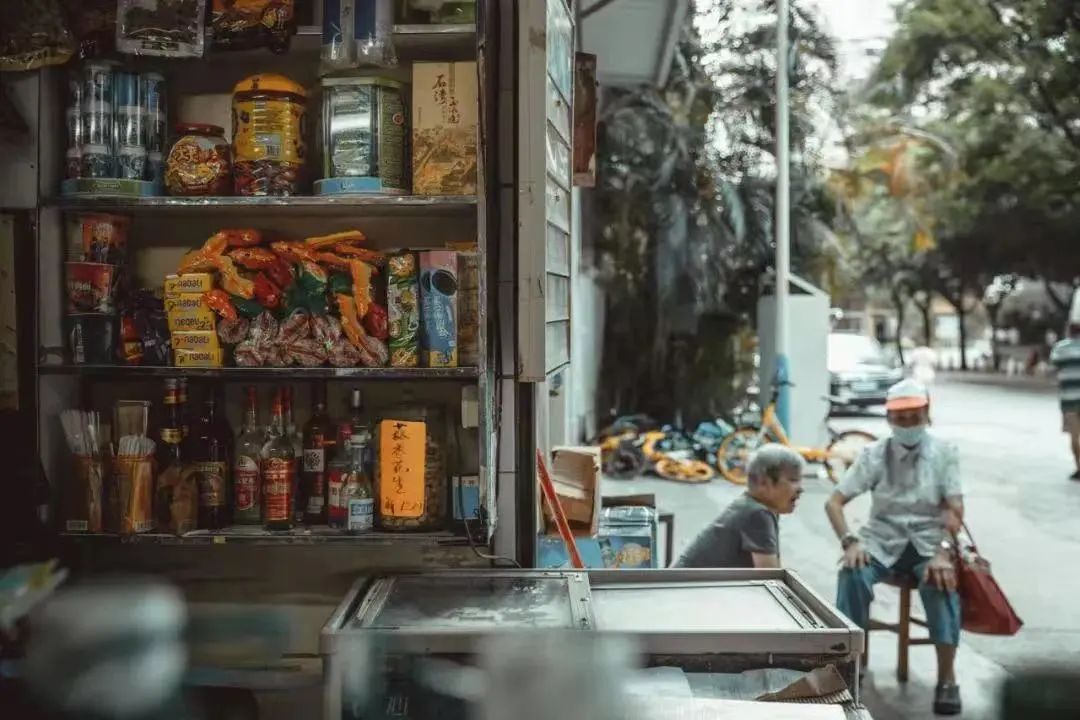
1021 508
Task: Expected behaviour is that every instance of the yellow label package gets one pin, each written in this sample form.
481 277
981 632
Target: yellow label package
197 358
195 341
197 321
188 283
185 303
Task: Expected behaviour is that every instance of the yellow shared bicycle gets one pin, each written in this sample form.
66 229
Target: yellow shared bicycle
837 457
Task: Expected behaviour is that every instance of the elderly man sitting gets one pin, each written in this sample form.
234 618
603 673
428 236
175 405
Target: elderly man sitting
914 483
747 533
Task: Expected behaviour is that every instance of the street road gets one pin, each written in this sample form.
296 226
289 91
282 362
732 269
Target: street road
1021 507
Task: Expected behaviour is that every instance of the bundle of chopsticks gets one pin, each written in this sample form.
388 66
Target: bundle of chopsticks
135 446
82 428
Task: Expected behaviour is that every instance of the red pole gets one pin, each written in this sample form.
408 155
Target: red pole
548 489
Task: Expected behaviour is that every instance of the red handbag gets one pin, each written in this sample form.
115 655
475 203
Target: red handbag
984 608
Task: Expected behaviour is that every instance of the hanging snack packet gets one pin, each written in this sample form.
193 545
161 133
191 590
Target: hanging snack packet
168 28
33 34
357 33
245 24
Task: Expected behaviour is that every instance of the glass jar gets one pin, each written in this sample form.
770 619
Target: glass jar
432 514
269 116
200 161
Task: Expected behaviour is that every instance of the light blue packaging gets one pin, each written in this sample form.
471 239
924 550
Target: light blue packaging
626 540
438 308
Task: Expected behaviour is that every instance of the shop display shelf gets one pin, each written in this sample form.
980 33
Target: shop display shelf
135 372
411 42
256 535
298 205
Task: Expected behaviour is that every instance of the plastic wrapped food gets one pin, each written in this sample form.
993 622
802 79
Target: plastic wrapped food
403 308
219 302
233 331
343 354
264 329
379 354
33 34
168 28
375 322
295 327
253 258
246 354
305 352
357 33
94 25
244 24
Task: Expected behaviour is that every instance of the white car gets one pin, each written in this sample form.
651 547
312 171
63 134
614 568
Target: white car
860 372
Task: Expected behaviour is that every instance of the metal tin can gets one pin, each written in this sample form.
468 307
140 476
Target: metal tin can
125 89
98 81
73 163
152 88
73 115
364 131
75 88
130 126
91 338
97 121
131 162
97 161
155 170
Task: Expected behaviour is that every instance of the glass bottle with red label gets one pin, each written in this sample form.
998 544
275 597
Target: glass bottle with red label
247 477
278 470
313 471
337 470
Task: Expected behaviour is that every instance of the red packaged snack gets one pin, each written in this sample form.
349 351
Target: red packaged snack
376 322
253 258
267 293
219 302
90 287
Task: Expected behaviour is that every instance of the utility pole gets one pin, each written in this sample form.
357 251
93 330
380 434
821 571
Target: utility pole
783 209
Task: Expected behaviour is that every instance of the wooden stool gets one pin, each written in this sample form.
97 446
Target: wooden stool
902 628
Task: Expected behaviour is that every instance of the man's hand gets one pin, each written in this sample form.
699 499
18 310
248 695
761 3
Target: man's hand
940 572
855 557
952 520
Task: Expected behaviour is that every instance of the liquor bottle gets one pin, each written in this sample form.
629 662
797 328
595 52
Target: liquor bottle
297 443
337 470
278 470
209 459
359 493
313 470
182 402
170 461
360 427
247 478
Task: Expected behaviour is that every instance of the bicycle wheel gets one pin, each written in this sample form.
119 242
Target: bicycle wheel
735 451
842 451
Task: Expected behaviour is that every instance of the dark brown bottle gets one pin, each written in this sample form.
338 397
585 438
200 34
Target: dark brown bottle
209 457
313 471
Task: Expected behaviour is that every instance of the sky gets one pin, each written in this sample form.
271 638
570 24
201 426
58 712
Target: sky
860 28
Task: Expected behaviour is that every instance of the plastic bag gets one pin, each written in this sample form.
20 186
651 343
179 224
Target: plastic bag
357 33
255 23
169 28
33 34
94 25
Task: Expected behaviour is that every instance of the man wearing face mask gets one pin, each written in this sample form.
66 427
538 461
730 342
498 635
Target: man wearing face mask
917 505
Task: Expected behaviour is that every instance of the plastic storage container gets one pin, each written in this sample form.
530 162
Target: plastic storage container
200 162
269 116
396 505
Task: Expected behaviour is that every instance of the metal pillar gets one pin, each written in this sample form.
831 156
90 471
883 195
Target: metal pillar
783 209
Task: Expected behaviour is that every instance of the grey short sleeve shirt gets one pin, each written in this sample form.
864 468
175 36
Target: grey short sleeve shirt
907 489
745 527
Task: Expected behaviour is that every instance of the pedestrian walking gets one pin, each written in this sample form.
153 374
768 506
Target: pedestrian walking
1065 356
917 506
747 533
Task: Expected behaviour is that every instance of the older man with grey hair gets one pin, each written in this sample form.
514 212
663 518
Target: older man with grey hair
747 533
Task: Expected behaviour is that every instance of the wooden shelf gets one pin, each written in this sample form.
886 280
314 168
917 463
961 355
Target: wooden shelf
245 374
256 535
299 205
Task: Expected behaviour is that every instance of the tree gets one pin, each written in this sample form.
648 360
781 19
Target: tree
685 205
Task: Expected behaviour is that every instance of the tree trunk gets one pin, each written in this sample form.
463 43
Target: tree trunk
898 301
927 327
992 312
961 314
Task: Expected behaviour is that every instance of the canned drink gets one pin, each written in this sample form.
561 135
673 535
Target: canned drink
97 121
130 125
131 162
125 89
152 99
97 161
75 88
98 81
73 163
74 127
155 169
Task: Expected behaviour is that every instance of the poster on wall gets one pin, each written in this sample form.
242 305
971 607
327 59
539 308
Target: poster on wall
9 359
585 92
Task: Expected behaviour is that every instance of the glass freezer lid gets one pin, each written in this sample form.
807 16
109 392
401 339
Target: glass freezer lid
470 603
700 607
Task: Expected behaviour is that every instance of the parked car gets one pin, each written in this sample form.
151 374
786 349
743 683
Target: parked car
860 371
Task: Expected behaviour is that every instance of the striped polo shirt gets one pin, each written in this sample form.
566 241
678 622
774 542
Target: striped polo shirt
1066 358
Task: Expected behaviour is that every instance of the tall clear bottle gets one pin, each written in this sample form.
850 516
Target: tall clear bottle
337 472
297 442
278 471
247 473
359 493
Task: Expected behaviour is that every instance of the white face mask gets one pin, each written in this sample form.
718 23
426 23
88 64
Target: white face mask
909 436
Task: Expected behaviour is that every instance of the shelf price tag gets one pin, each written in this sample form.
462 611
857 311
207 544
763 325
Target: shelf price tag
402 447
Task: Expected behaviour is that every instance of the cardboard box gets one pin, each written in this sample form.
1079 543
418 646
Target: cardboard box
468 310
197 358
445 111
575 472
626 538
195 341
438 308
188 283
